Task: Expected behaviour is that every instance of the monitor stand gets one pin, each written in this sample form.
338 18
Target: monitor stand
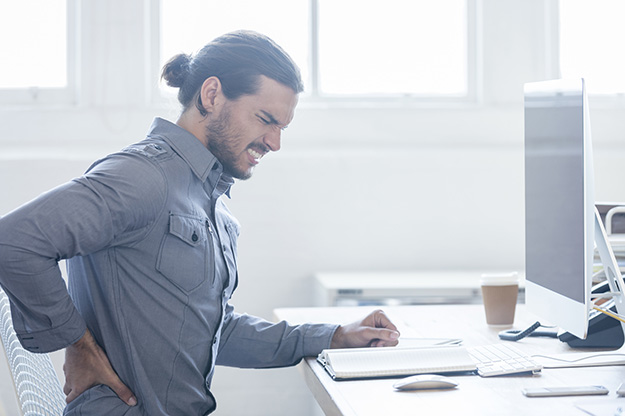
610 265
615 282
603 330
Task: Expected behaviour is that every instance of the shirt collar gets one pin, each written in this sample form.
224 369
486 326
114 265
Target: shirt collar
201 161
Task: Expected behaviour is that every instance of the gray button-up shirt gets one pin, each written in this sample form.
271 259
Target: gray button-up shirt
152 266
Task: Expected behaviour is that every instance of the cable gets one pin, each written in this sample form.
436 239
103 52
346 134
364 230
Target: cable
516 335
602 354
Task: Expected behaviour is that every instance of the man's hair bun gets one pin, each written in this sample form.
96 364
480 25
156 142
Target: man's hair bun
176 70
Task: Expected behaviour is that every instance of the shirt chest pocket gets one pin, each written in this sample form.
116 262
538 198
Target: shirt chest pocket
183 254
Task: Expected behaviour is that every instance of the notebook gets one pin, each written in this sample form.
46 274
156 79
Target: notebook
358 363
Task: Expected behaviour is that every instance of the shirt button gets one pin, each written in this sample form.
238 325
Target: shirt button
215 340
194 237
223 247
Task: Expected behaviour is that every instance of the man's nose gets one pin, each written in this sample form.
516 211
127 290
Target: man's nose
272 140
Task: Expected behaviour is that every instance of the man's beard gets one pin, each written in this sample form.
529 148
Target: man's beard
223 144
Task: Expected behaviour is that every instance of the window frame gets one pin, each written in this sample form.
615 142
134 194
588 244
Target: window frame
315 99
47 96
598 101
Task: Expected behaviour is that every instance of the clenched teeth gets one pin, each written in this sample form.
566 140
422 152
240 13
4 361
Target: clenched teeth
254 154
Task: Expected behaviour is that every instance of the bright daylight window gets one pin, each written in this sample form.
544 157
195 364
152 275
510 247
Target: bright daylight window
591 37
348 48
393 47
34 46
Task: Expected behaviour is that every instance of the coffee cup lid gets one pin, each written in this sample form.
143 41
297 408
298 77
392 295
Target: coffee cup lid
499 279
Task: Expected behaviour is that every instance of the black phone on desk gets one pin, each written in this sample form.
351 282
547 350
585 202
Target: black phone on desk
603 330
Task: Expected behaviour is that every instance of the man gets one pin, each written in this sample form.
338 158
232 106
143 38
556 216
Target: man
151 249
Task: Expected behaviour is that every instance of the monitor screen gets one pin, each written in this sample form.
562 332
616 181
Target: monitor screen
559 203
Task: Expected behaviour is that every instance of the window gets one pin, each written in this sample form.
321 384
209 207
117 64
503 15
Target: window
404 47
347 48
591 42
35 64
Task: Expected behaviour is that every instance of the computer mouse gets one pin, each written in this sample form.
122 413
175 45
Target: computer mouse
425 381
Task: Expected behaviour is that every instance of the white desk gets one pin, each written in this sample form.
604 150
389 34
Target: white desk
475 395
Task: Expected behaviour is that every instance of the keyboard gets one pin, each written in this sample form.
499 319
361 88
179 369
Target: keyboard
500 359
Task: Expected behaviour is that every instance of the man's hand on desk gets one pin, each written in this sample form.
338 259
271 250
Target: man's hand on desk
86 365
375 330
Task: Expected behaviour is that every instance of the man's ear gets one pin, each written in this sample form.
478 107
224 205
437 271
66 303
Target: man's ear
211 94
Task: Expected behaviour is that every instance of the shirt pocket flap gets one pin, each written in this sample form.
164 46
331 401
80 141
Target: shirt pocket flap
189 230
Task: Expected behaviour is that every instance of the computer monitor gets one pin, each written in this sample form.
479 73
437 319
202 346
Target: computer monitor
559 203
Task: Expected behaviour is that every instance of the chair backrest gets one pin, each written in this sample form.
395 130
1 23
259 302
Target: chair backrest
36 384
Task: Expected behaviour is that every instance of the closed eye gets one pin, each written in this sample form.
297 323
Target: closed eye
268 120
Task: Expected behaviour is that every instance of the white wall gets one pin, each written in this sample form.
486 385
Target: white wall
354 188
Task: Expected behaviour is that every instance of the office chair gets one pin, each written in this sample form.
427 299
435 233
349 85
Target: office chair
36 384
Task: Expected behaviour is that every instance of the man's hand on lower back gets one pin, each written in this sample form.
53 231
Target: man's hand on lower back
86 365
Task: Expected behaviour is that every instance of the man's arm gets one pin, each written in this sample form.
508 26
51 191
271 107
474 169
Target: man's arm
77 218
251 342
32 240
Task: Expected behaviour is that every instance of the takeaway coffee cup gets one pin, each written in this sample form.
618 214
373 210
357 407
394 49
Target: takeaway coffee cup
499 292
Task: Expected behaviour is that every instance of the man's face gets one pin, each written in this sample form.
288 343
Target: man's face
249 127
